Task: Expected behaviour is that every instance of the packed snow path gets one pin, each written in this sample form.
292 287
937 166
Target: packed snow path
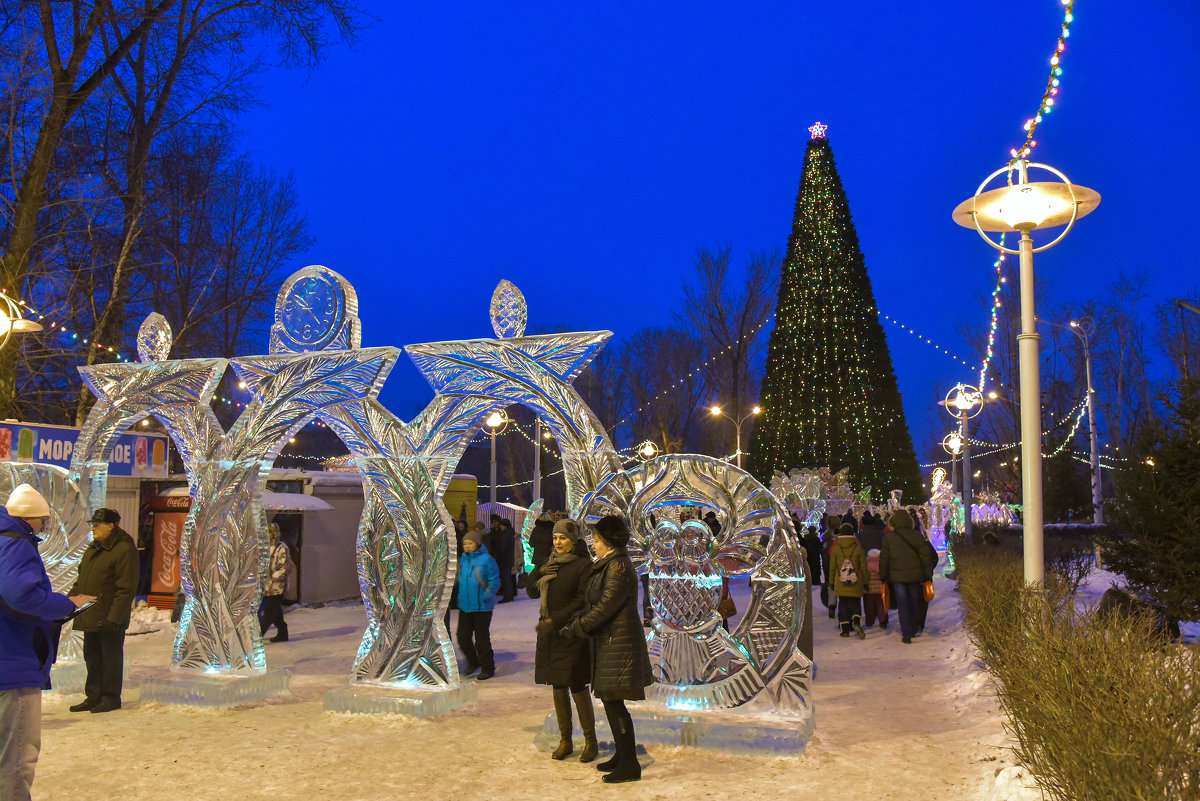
893 721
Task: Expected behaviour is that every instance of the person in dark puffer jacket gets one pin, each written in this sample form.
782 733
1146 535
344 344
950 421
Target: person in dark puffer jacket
29 622
108 570
620 660
564 662
907 564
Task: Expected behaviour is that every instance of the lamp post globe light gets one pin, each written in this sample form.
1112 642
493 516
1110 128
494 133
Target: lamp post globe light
952 444
964 402
495 422
12 320
1023 206
647 451
716 412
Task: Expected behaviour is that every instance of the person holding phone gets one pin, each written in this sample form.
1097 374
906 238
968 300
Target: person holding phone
30 617
108 570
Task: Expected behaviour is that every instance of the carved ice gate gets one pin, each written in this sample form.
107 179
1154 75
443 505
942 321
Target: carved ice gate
317 370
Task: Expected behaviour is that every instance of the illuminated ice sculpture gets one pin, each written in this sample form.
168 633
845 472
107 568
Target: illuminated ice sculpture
317 371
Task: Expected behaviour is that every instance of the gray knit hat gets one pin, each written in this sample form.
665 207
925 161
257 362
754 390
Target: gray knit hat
567 527
475 537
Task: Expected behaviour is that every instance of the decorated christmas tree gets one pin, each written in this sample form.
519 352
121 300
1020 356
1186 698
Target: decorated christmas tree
829 394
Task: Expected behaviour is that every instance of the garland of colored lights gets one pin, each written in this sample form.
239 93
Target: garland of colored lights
923 338
1052 85
991 340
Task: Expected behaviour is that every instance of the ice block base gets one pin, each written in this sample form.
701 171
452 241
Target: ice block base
214 691
418 701
725 730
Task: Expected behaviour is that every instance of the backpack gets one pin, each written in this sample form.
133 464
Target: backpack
847 575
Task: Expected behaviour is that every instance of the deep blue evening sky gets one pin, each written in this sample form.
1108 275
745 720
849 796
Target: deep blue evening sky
586 151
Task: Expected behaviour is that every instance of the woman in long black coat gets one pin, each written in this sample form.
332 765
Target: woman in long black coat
620 662
564 662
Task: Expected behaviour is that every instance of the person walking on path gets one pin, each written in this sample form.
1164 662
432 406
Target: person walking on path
108 570
478 580
275 587
30 617
906 564
873 606
620 661
848 570
564 663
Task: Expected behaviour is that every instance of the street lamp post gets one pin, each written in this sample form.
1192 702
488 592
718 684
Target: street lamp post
964 402
716 412
537 459
495 422
1083 328
1024 206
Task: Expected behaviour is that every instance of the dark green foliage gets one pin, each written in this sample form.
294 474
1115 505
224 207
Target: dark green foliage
1156 513
829 394
1100 707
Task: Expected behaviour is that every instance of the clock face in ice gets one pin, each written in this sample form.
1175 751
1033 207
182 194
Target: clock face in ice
313 311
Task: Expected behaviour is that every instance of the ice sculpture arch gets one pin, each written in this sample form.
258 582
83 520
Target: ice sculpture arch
317 370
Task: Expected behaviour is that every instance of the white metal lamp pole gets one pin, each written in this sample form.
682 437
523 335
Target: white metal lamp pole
537 459
1023 206
716 412
1083 328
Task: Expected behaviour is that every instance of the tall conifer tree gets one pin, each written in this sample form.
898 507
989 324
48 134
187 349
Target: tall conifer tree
829 393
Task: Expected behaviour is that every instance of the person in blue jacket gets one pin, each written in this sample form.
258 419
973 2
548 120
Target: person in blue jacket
478 580
30 617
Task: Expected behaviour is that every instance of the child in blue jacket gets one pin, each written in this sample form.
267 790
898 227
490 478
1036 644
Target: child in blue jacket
478 580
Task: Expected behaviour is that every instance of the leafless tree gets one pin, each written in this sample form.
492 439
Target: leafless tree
728 312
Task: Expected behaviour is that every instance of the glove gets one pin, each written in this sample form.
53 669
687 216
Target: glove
108 627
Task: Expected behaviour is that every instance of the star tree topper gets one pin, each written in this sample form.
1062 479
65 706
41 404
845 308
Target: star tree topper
818 130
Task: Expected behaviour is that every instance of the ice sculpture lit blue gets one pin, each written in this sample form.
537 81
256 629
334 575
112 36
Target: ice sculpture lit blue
317 371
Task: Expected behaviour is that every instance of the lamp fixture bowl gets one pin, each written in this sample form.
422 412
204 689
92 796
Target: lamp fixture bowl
1039 204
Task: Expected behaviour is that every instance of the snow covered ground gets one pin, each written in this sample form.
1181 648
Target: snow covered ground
893 722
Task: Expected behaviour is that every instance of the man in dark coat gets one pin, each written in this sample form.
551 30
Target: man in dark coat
29 612
506 541
907 564
108 570
541 540
870 535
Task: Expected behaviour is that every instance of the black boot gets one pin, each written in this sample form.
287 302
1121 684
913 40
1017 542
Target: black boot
562 711
845 627
627 769
587 722
858 629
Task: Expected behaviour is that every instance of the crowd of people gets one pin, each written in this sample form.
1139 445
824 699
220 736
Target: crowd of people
867 567
590 638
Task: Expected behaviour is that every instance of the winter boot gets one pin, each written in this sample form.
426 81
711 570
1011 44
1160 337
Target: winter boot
627 769
562 711
845 627
858 629
587 722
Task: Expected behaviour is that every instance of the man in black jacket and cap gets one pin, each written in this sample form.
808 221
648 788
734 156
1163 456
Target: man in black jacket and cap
109 571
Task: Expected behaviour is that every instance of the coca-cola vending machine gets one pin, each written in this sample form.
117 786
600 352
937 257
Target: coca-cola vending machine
170 513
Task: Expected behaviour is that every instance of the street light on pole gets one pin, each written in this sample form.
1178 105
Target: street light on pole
964 402
495 422
1024 206
12 320
716 412
1083 328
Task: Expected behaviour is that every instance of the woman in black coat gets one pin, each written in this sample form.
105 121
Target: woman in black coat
620 662
563 662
